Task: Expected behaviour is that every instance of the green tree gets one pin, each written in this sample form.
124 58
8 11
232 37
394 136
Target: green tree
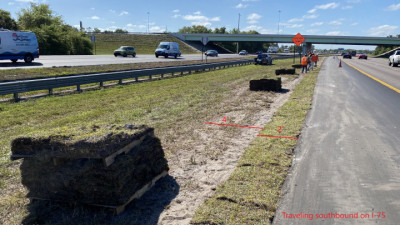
221 30
195 29
54 36
120 31
6 21
96 30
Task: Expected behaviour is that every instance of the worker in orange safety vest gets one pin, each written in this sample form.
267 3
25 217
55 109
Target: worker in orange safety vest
314 59
304 63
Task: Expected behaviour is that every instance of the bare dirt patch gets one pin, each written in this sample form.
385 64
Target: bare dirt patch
211 152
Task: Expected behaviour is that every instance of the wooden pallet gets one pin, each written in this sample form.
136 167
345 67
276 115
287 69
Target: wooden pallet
120 208
107 161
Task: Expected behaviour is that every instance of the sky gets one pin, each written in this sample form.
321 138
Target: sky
315 17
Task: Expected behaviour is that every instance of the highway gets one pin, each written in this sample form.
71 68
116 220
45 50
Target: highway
87 60
347 161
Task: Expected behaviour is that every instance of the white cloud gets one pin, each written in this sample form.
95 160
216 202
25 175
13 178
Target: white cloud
95 18
312 31
336 33
176 16
92 8
24 0
294 26
332 5
354 24
259 29
317 24
198 19
199 23
241 6
123 13
312 10
253 18
10 3
176 11
336 22
384 30
393 7
353 1
295 20
112 11
347 7
157 29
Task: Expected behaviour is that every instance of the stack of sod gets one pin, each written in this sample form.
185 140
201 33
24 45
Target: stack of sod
285 71
266 85
79 174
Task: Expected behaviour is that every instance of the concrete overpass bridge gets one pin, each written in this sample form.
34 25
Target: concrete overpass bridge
283 38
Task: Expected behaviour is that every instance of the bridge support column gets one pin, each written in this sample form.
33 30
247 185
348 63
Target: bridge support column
306 48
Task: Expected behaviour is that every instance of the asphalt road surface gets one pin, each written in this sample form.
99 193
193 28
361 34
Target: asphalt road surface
348 157
86 60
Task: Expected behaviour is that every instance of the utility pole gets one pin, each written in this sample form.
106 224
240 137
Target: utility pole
279 19
148 22
238 30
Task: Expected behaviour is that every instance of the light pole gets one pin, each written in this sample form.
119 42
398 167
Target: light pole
238 30
148 22
279 19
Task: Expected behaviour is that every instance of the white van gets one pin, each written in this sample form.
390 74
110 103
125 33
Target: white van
168 49
16 45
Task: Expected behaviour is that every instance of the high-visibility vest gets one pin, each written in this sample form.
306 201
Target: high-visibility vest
314 58
304 61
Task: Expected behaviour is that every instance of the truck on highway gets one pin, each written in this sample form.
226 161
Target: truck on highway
394 59
16 45
168 49
273 49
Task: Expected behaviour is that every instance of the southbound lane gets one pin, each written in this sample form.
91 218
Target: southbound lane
347 162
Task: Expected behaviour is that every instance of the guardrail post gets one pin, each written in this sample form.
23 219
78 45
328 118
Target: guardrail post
181 73
51 91
16 97
101 84
150 76
120 81
136 79
78 87
162 75
172 73
190 72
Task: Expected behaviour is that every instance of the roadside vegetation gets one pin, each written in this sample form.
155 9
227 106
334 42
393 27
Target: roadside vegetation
251 194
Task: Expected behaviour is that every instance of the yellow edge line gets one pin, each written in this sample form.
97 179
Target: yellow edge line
374 78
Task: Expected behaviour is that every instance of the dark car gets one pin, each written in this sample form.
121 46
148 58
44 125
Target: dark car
211 53
263 59
362 56
125 51
347 56
243 52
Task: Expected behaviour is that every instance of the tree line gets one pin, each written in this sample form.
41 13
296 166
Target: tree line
54 36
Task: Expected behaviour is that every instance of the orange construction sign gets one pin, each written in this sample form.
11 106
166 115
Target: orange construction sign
298 39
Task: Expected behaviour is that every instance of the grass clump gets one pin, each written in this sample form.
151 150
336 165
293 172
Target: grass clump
252 192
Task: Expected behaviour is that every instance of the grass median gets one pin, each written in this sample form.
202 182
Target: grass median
252 192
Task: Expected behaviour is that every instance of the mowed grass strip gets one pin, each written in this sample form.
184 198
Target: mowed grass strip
20 74
252 192
169 105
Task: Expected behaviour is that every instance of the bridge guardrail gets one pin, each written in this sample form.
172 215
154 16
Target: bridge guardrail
21 86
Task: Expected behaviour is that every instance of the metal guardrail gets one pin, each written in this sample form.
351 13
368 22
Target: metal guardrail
21 86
